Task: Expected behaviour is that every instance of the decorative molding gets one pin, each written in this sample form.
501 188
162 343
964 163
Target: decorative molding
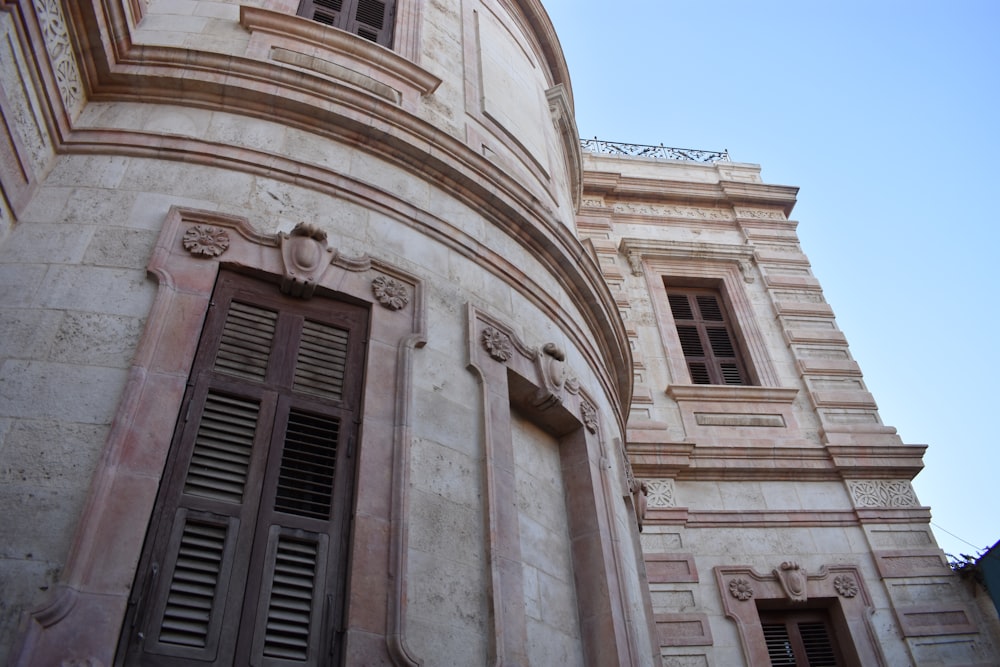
390 292
731 394
670 568
205 240
882 493
589 415
845 586
306 256
672 211
759 214
561 108
57 43
497 344
683 630
660 493
339 44
741 589
793 581
592 202
732 419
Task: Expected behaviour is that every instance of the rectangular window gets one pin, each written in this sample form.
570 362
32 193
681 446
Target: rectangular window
245 558
370 19
706 334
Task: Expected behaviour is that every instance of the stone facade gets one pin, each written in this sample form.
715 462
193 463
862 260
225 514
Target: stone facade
525 404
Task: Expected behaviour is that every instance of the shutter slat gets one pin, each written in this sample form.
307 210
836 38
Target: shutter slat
321 360
819 648
289 609
709 308
220 461
245 347
191 593
308 465
779 646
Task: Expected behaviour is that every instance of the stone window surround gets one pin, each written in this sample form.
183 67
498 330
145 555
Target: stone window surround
839 588
84 613
535 381
726 266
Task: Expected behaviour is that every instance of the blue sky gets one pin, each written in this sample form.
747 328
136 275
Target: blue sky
884 113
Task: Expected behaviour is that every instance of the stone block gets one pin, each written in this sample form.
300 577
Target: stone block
96 339
27 334
98 289
446 529
43 243
120 247
41 390
450 474
52 454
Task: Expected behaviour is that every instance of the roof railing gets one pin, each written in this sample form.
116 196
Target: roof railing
661 152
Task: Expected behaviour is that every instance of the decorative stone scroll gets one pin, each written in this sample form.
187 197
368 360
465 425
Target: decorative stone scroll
390 292
793 581
497 344
588 413
306 257
205 241
882 493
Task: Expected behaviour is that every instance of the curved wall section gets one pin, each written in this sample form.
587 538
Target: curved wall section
182 141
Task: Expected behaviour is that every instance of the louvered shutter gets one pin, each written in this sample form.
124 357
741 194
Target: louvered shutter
245 561
800 639
370 19
706 337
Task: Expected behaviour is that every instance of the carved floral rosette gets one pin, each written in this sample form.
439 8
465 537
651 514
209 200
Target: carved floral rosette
845 586
205 240
497 344
740 589
390 292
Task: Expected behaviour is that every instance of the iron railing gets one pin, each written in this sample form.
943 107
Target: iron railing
662 152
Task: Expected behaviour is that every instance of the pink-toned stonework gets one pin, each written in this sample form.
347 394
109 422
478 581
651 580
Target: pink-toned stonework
538 477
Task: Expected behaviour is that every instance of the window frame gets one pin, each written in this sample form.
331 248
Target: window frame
348 21
729 268
241 595
711 358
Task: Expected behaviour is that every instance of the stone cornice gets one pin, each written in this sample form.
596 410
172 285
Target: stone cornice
722 192
731 394
653 457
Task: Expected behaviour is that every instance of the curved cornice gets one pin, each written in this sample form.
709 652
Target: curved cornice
548 43
117 69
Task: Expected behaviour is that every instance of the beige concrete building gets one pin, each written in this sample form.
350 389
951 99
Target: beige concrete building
324 342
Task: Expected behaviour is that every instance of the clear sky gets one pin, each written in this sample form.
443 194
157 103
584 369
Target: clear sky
884 113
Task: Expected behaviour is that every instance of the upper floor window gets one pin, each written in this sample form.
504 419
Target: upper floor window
706 335
370 19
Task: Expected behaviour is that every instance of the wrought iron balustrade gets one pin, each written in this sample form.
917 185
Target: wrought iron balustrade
596 145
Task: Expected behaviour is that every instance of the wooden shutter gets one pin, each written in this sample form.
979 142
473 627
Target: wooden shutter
800 639
370 19
245 560
706 337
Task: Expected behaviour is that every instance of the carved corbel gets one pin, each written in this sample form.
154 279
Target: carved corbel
552 369
306 256
793 581
635 262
